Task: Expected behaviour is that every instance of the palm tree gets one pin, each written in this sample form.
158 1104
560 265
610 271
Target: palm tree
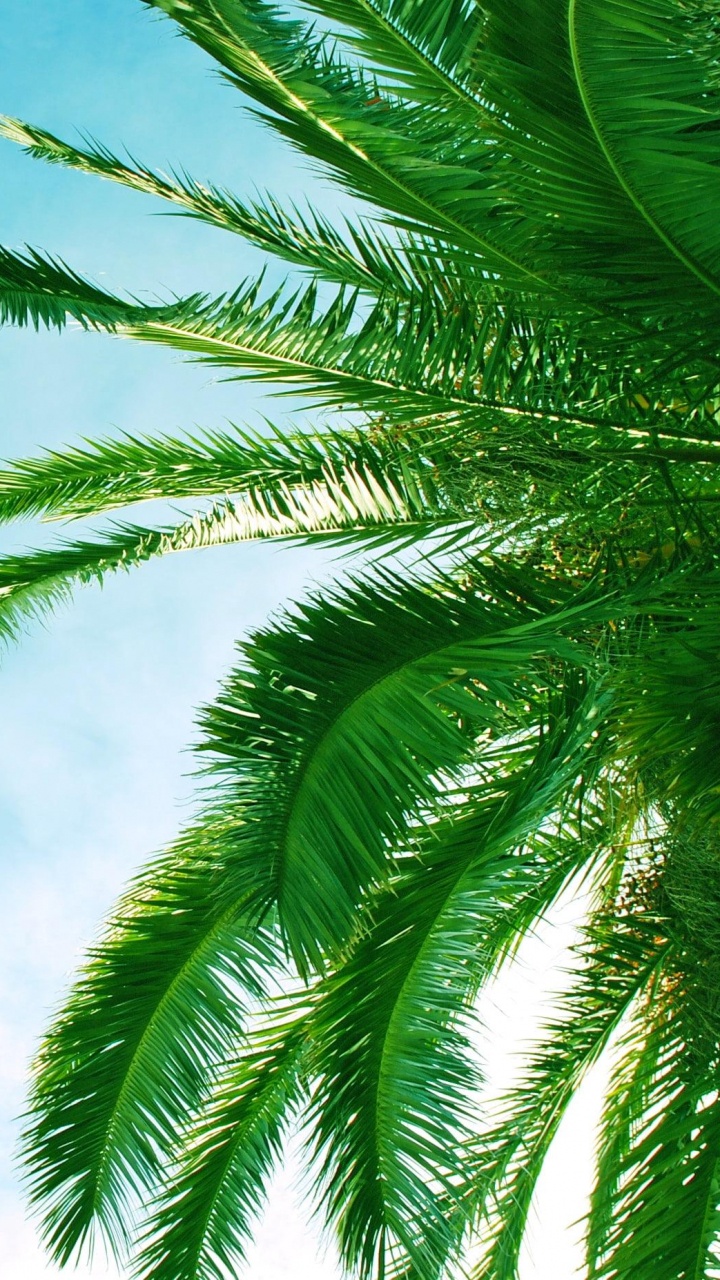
512 345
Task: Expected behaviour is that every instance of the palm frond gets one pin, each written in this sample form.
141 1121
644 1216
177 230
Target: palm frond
325 107
392 154
161 1001
34 583
484 192
378 488
357 505
333 352
477 365
305 724
428 46
359 259
656 1207
619 965
412 360
659 135
203 1222
658 1165
387 474
393 1107
38 290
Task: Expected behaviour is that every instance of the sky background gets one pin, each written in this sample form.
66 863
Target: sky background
98 705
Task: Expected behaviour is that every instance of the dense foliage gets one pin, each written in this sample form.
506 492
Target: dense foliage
513 348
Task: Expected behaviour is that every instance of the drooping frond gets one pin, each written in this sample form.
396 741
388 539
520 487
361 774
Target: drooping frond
162 999
617 967
385 149
33 583
335 112
204 1219
304 725
656 1206
395 1107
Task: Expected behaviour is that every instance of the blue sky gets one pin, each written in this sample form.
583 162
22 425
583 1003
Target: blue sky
98 706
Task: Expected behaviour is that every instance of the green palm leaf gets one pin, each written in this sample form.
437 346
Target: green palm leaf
361 259
325 107
160 1002
385 472
656 1209
306 725
659 136
479 363
621 964
393 1108
659 1166
352 497
402 361
203 1223
512 151
38 290
429 46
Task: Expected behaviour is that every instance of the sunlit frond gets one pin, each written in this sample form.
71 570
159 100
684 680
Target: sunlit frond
361 258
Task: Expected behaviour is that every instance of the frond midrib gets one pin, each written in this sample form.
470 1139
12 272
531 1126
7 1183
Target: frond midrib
439 398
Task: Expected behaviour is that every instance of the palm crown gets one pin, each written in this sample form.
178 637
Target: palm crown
514 339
